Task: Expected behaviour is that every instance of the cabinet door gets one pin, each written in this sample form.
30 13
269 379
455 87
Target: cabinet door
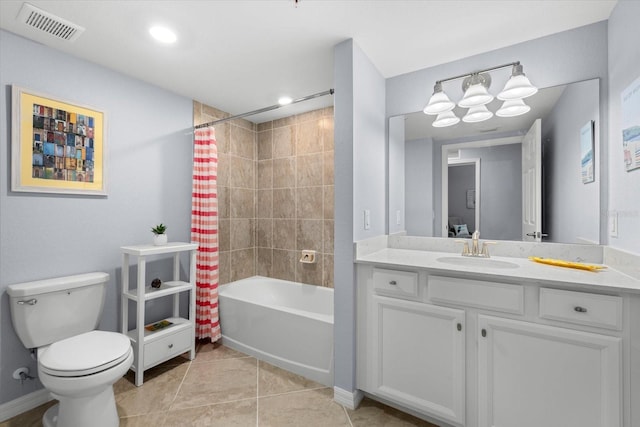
536 375
419 356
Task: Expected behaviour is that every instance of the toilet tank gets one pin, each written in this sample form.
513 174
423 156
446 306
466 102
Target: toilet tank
46 311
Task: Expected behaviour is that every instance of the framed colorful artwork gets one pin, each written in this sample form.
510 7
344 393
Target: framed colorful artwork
586 152
57 146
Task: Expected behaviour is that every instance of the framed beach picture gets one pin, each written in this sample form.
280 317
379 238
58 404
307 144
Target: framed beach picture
57 146
631 126
586 152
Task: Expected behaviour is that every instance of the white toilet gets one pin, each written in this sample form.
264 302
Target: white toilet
76 363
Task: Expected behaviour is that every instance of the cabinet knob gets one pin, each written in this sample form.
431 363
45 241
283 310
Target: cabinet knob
393 282
580 309
459 326
484 333
170 345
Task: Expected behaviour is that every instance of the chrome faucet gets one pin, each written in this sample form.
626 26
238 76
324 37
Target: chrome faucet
475 250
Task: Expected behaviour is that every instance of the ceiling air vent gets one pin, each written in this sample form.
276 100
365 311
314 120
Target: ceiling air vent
49 23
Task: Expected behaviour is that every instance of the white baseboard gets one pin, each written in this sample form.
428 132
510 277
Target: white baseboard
24 403
348 399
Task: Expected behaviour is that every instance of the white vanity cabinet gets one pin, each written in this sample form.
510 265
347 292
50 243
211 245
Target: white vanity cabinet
532 375
152 347
415 351
470 352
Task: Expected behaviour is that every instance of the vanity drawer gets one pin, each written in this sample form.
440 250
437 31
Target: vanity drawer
167 347
504 297
602 311
395 282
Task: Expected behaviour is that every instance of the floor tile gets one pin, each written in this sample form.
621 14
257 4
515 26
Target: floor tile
233 414
273 380
156 394
374 414
312 408
220 381
208 352
32 418
155 419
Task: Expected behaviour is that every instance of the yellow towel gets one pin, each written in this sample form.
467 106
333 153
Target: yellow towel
562 263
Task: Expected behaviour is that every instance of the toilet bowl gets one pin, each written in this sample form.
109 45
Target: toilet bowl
76 363
80 372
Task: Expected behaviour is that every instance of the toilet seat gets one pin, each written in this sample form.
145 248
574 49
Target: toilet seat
85 354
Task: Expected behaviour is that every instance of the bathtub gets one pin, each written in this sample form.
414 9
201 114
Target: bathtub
287 324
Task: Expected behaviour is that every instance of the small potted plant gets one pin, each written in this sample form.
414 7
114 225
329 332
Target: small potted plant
159 235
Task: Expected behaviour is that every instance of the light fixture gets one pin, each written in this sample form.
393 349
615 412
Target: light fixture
479 113
163 34
439 101
512 108
448 118
285 100
518 86
476 95
476 92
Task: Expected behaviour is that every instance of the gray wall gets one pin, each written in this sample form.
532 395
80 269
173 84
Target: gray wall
500 190
360 150
396 186
149 181
624 68
462 177
419 181
563 187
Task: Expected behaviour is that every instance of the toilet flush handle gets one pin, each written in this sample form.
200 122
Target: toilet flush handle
30 302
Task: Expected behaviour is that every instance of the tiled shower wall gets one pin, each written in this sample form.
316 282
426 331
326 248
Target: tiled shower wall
275 195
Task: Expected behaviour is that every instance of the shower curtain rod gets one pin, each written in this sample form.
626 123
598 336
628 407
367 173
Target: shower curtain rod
265 109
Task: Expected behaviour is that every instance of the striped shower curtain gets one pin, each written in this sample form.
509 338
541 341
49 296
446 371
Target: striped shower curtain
204 232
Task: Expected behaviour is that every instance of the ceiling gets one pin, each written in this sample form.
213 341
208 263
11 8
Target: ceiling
241 56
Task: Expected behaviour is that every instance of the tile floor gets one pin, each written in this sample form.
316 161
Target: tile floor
223 387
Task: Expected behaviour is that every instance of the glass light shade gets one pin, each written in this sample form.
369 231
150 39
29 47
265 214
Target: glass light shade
479 113
517 87
448 118
512 108
439 103
475 95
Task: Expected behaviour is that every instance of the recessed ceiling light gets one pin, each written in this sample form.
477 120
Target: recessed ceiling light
163 34
284 100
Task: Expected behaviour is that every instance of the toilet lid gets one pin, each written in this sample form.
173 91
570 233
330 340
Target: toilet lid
85 354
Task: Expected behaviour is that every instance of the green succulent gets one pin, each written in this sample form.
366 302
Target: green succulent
159 229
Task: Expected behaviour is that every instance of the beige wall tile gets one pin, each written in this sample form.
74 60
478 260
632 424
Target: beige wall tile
283 201
265 126
284 172
224 205
264 263
265 144
242 264
265 174
327 236
224 169
309 201
308 137
327 271
224 267
242 172
284 234
222 137
283 142
284 264
309 235
213 112
310 274
265 203
285 121
224 234
243 142
309 170
327 133
264 233
328 196
242 203
327 163
242 234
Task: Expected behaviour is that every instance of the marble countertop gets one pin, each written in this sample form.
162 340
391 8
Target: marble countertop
608 279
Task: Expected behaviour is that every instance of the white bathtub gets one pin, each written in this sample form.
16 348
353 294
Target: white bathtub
287 324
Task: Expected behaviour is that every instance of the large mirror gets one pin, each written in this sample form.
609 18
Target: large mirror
471 174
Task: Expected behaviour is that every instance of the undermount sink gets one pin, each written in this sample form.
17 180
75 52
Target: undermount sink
477 262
